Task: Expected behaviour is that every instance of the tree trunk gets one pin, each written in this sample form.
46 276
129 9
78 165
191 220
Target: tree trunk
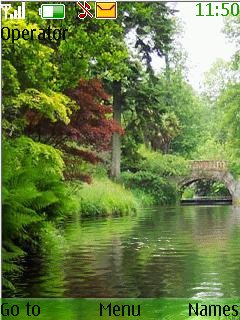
116 139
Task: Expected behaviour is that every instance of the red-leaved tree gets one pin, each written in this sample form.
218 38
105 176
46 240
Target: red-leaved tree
91 126
92 123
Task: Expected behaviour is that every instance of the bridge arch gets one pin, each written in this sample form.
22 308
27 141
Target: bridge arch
213 170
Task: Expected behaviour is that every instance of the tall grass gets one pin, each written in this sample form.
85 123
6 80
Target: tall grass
104 197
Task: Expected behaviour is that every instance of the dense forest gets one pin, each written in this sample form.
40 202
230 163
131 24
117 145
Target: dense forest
89 127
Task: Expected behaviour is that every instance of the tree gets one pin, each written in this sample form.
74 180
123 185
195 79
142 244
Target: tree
168 129
217 79
189 108
153 30
88 129
164 113
229 110
231 30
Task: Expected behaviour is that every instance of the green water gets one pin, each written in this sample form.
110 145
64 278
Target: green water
191 252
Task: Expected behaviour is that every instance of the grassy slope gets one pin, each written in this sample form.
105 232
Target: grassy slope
104 197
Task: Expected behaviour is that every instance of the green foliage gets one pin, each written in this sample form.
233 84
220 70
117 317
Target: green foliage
234 167
105 56
188 193
219 189
10 83
153 24
32 192
225 142
231 30
145 199
54 106
210 188
222 90
155 175
205 188
31 60
229 105
103 198
220 75
190 110
164 113
164 165
160 189
99 171
211 149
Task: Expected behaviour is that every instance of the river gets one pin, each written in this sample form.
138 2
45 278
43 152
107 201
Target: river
188 251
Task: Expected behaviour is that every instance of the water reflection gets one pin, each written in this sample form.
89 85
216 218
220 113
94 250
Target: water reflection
161 252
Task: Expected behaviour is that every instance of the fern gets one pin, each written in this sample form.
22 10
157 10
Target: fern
33 192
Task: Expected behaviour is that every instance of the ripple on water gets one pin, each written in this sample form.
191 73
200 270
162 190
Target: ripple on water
161 252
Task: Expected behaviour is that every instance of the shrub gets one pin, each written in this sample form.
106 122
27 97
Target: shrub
159 188
155 175
164 165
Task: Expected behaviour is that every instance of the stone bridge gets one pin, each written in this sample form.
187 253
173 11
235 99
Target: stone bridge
213 170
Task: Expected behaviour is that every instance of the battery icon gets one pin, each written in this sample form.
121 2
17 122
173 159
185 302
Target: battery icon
52 11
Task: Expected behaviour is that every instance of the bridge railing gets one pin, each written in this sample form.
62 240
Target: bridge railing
212 198
209 165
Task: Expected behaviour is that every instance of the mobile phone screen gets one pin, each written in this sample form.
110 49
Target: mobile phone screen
120 160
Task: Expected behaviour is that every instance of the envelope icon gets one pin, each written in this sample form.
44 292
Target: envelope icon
106 10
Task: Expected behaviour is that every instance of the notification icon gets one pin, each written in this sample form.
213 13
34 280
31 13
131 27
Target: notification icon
106 10
86 10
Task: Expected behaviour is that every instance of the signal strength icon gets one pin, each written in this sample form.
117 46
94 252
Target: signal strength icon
17 14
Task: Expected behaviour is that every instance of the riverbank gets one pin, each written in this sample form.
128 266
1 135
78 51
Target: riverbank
104 198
